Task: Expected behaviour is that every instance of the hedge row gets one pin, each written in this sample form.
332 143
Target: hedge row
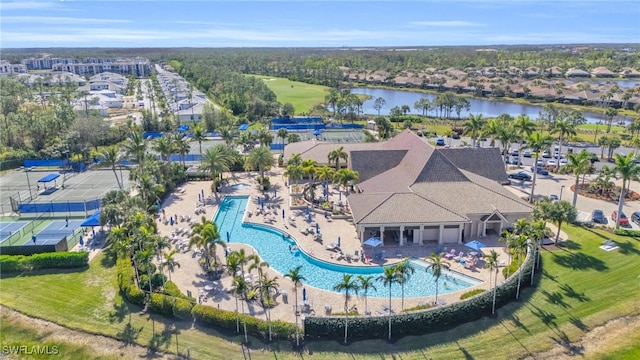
432 320
126 282
213 317
53 260
170 306
627 232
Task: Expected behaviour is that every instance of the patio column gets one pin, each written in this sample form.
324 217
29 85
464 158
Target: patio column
382 234
484 229
460 230
420 234
401 235
361 233
440 234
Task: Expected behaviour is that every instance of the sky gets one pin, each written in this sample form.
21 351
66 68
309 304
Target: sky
302 23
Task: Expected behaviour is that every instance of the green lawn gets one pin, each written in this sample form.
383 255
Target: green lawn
602 128
581 287
303 96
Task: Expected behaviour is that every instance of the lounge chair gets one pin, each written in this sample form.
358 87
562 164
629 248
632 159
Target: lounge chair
332 247
459 257
327 309
442 302
451 254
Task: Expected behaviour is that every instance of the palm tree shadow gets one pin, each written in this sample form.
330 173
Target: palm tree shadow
464 352
555 298
572 293
578 323
570 348
129 334
546 317
627 248
569 245
580 261
516 322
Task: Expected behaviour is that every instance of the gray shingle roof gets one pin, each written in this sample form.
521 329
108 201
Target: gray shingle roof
485 162
369 163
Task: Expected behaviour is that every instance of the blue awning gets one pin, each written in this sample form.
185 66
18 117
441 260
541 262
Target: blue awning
244 127
93 220
48 178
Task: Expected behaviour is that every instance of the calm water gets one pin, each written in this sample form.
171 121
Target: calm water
274 247
488 108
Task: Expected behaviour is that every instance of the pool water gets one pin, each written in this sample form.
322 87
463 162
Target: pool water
239 186
274 247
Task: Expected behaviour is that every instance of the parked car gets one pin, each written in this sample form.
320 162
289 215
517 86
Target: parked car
514 159
540 170
594 158
520 175
624 221
526 154
554 197
552 162
563 162
540 162
635 217
597 216
515 152
545 154
440 142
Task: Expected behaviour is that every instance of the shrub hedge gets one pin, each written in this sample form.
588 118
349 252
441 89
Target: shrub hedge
471 293
213 317
126 282
627 232
432 320
53 260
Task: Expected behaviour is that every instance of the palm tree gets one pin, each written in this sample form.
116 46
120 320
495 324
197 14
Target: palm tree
165 147
136 146
524 127
293 172
240 287
227 136
507 238
345 177
110 158
404 270
558 212
216 160
579 164
261 159
296 278
182 146
233 266
562 127
148 188
265 138
627 168
473 127
347 284
537 143
388 277
170 263
199 135
366 283
519 246
536 234
267 286
337 154
283 133
295 159
491 263
437 263
206 236
309 168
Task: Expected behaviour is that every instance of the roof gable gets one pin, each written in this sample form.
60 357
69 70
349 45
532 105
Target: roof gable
485 162
439 169
369 163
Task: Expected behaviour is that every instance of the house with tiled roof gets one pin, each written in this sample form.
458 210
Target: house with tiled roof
603 72
412 193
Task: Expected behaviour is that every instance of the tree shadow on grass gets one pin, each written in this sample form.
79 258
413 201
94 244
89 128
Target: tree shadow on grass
515 338
549 276
515 320
555 298
546 317
464 352
569 245
129 334
627 248
109 258
569 347
580 261
572 293
578 323
120 310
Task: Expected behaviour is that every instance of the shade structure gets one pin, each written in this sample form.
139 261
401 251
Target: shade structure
338 241
93 220
317 228
283 213
304 294
316 132
475 245
373 242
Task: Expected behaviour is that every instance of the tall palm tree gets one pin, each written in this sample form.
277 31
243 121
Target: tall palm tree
437 263
579 164
366 284
240 288
293 172
182 146
627 168
260 158
296 278
206 236
283 133
519 246
233 266
347 284
216 160
346 177
404 270
537 142
227 136
309 168
563 127
295 159
265 138
267 286
524 127
536 234
507 238
388 277
149 189
111 157
491 263
136 146
170 263
199 135
473 127
337 154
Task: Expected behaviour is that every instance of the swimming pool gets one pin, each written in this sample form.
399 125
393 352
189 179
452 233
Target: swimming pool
239 186
273 246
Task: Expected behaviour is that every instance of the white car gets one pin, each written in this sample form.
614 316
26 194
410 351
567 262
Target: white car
552 162
563 162
540 162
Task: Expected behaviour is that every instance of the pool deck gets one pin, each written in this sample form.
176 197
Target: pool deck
190 275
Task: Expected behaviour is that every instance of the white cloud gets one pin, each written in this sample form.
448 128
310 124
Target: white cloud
60 20
27 5
445 23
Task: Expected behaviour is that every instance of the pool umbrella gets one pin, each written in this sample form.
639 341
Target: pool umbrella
262 205
275 192
373 242
338 241
339 195
171 220
228 236
309 218
304 294
475 245
283 213
316 132
202 193
81 241
317 228
308 210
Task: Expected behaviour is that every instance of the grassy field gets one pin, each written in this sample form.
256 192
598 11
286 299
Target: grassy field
582 287
303 96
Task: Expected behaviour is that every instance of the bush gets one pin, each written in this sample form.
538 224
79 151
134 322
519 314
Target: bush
171 289
160 304
182 309
126 282
54 260
511 269
627 232
471 293
213 317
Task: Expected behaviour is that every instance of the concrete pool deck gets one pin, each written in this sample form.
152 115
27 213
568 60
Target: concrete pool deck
190 275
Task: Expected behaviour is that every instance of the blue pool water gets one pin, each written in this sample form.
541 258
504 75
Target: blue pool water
273 247
239 186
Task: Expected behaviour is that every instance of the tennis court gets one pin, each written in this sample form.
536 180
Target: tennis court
45 230
337 136
9 228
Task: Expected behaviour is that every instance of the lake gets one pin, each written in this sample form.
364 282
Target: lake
488 108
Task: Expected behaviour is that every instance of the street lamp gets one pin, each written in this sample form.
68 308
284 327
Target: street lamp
561 188
26 171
